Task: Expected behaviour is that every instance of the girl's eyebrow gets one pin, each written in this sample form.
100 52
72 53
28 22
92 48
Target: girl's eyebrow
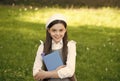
54 29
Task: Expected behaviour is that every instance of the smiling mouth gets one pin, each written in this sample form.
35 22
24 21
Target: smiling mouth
57 37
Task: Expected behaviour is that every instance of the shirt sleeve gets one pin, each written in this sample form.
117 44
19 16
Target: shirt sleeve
69 70
38 60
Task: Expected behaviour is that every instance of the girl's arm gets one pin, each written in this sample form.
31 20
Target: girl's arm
48 74
69 70
38 60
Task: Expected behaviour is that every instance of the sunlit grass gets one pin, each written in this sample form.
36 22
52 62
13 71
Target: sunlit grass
107 17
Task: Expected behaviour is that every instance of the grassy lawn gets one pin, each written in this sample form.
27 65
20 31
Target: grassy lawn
96 31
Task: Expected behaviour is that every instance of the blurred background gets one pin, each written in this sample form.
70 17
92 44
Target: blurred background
93 24
64 3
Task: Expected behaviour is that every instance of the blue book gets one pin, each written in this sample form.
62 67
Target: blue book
52 60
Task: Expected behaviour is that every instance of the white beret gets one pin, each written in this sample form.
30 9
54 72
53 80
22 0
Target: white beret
55 17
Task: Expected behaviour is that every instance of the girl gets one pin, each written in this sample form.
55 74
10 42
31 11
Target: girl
56 39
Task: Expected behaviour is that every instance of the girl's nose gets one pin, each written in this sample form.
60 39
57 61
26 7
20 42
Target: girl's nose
57 33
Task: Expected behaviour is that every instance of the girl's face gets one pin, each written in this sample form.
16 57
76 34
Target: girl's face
57 32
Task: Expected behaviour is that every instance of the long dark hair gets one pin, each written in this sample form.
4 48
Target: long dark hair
48 41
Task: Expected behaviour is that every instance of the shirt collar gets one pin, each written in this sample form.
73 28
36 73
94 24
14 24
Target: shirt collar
61 42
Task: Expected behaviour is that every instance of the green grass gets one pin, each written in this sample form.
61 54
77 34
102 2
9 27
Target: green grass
97 32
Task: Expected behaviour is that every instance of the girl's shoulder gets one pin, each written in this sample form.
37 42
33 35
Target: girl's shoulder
71 42
41 44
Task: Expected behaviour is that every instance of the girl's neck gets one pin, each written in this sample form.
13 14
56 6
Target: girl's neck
56 42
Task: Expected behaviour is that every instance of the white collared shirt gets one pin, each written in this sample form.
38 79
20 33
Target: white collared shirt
65 72
56 46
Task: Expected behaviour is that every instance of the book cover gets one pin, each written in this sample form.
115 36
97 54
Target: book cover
52 60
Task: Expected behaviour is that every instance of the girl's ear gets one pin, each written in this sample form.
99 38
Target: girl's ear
66 30
48 30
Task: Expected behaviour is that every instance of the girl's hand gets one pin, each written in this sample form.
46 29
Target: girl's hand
47 74
60 67
40 75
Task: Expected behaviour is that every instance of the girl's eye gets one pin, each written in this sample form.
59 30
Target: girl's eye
61 30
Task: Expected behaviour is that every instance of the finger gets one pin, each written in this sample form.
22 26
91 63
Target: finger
37 77
62 66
